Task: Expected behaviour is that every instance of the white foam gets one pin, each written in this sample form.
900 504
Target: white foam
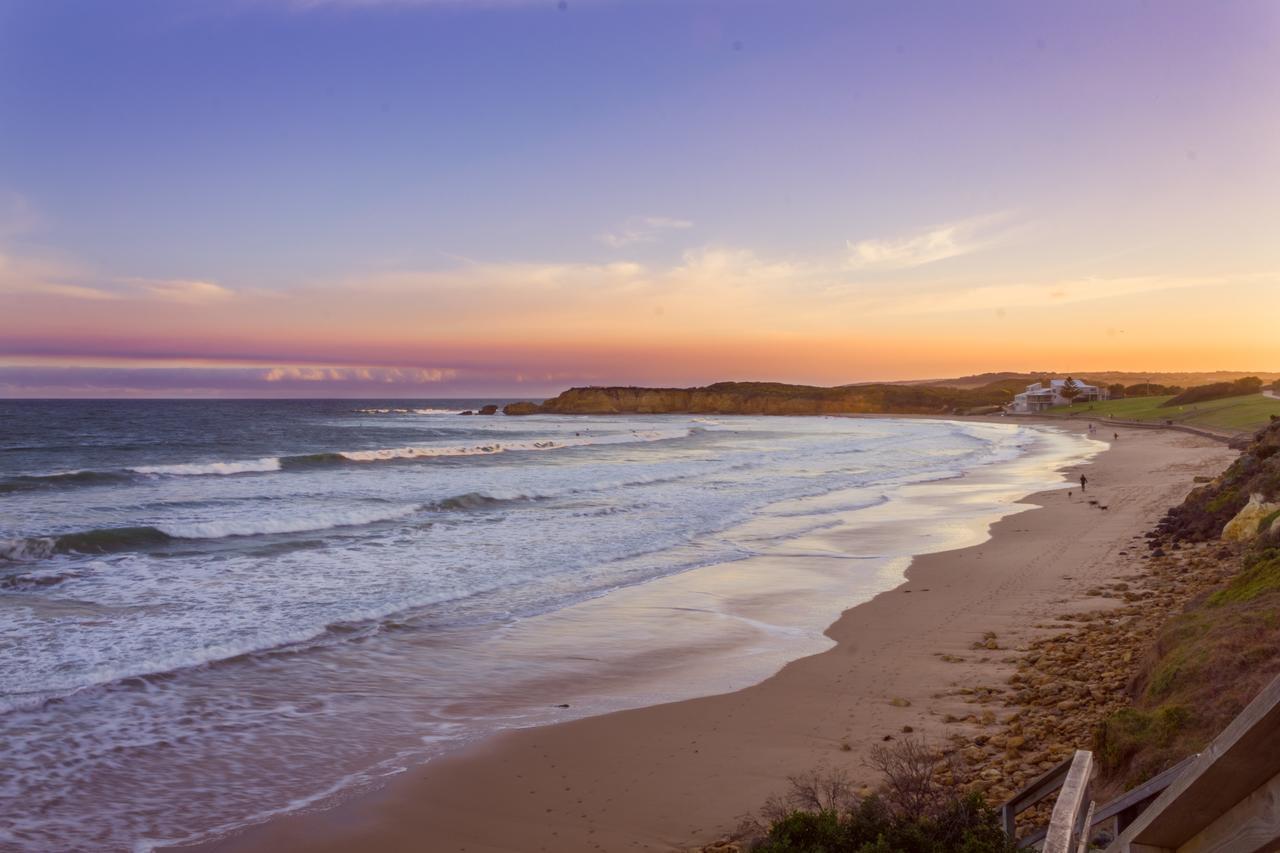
130 614
260 527
23 550
407 411
429 451
193 469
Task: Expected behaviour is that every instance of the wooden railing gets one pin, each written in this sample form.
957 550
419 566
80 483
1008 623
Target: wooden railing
1073 812
1123 809
1072 816
1225 799
1050 782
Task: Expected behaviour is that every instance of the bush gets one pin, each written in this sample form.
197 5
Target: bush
911 813
1150 389
960 825
1132 733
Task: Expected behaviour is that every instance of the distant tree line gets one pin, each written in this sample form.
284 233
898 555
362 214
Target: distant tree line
1216 391
1143 389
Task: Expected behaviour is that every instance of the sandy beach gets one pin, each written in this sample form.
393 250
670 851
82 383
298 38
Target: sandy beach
676 775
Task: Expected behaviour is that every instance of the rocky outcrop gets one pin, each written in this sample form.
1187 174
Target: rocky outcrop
1256 517
1208 510
488 410
521 409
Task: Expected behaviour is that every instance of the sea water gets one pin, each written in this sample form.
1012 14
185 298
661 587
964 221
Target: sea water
212 612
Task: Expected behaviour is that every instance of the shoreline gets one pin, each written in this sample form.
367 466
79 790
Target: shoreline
664 776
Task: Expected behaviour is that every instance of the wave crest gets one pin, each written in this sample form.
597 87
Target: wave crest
195 469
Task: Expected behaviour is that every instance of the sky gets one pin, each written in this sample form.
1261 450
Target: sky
453 198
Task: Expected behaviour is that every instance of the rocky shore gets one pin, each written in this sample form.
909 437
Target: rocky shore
1156 662
1068 682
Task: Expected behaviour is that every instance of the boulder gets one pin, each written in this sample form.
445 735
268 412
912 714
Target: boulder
521 408
488 410
1245 526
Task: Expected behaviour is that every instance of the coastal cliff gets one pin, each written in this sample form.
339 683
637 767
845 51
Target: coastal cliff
768 398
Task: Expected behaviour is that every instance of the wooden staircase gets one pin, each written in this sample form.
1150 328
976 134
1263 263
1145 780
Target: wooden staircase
1223 800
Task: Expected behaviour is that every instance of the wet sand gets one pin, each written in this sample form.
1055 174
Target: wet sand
671 776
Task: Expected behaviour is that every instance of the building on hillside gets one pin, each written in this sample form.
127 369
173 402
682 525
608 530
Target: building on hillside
1044 395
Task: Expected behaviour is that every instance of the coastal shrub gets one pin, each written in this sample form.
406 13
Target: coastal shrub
912 811
961 824
909 768
1129 732
1150 389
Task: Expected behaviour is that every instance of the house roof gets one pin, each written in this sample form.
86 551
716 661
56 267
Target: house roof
1056 385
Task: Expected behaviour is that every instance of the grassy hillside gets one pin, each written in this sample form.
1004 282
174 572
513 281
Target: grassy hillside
1098 377
1210 660
1234 414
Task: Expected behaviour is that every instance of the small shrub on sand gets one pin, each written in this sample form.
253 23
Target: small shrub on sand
910 813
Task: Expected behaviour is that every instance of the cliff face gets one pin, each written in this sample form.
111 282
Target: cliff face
1253 477
764 398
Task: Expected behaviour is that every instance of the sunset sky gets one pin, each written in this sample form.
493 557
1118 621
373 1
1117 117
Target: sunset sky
445 198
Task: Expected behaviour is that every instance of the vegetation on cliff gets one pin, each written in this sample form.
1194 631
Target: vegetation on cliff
771 398
1209 661
1206 511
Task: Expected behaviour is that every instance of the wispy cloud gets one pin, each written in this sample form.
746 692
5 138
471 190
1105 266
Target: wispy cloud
188 291
1047 294
642 229
383 375
46 276
936 243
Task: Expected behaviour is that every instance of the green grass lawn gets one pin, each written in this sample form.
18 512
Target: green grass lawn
1235 414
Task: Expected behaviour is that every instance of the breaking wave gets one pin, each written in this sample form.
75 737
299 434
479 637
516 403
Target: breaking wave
24 483
114 539
270 464
196 469
406 411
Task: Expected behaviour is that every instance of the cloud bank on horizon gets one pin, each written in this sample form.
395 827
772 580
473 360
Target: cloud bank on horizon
435 198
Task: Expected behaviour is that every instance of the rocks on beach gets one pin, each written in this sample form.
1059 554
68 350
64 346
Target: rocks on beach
1069 681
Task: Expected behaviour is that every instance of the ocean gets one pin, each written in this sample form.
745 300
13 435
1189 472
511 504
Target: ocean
213 612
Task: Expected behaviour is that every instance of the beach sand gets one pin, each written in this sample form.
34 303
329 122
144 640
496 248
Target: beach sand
673 776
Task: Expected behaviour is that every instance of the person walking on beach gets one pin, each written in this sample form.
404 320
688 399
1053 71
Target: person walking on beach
1083 481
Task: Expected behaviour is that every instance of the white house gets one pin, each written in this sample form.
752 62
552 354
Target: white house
1040 395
